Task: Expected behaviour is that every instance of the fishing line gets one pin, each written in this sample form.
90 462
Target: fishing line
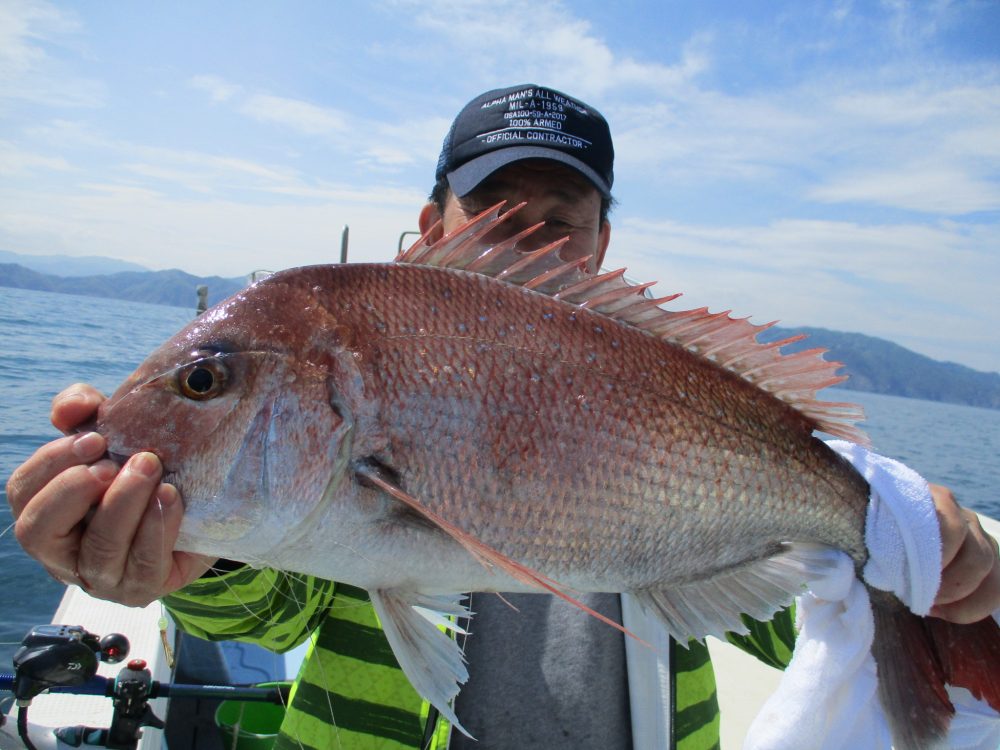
168 652
322 669
245 606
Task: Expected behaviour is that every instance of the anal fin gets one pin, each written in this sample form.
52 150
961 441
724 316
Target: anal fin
713 606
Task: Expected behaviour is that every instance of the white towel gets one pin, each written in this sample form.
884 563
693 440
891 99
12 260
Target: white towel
827 697
901 532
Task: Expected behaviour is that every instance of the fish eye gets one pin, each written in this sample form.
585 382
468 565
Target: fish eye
202 380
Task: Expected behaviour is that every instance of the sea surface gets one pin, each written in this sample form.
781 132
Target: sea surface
49 341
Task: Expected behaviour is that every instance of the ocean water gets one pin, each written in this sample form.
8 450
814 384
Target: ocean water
48 341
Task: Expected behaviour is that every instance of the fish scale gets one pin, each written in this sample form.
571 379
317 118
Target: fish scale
515 417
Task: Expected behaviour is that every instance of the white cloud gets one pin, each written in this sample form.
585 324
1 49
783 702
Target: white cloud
217 88
164 169
407 199
545 42
17 161
932 189
381 144
23 24
906 283
414 141
27 71
928 146
705 136
304 117
811 133
202 236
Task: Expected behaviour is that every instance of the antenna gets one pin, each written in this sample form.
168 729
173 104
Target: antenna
343 243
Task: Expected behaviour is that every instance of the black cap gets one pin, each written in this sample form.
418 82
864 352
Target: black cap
526 122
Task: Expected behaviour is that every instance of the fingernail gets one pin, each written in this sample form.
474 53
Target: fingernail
68 396
103 471
145 464
88 445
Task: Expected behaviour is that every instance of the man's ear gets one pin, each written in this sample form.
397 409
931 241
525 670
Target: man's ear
429 217
603 240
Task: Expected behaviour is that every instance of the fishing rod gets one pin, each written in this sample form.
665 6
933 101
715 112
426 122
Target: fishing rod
64 659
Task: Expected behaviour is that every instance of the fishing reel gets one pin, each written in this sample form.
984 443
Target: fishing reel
64 659
66 656
61 655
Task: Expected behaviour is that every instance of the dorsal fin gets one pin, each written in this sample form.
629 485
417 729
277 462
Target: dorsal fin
729 342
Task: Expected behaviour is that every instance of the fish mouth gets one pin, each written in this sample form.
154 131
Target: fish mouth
89 426
122 458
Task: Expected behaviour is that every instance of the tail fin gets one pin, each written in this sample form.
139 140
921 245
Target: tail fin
917 657
970 656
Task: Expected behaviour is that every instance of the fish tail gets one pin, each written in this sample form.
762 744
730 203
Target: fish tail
917 657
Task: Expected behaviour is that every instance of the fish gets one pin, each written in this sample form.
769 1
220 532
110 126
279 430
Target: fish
472 417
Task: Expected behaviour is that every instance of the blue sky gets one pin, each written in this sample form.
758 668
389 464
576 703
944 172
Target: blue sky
822 163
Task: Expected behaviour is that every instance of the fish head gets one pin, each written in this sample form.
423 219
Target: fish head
238 408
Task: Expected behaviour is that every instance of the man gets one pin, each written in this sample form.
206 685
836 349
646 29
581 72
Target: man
543 676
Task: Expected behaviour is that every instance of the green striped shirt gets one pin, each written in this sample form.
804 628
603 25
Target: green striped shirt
350 691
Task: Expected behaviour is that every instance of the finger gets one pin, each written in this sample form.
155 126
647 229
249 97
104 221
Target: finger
970 583
966 571
150 560
954 524
49 527
979 604
48 462
188 567
74 406
105 544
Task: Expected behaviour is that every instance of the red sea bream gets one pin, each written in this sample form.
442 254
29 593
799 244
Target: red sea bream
473 419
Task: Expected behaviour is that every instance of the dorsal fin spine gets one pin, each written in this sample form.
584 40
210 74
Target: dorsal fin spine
728 342
496 253
606 302
583 287
511 271
544 279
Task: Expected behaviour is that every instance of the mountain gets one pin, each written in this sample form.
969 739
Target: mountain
70 265
172 287
879 366
874 364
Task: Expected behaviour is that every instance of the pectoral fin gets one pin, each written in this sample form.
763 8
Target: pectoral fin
485 554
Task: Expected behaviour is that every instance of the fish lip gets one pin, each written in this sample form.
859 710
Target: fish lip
89 426
122 458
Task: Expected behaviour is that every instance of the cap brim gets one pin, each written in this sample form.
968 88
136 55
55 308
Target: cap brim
465 179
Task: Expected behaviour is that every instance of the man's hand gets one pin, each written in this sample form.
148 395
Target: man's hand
970 563
111 532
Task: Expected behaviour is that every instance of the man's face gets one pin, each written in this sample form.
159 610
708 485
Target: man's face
563 199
